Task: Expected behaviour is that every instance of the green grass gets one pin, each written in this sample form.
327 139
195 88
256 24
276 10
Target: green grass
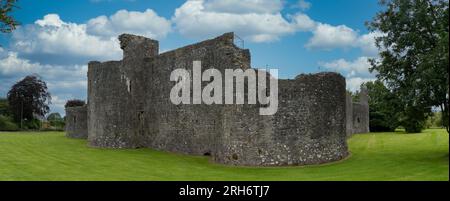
382 156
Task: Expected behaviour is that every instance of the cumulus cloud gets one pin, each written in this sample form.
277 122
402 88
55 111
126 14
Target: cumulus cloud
303 22
64 82
304 5
58 50
357 67
356 71
147 23
367 43
65 42
54 37
255 20
354 83
262 21
328 37
244 6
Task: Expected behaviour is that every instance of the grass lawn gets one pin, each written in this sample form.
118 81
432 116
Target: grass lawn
383 156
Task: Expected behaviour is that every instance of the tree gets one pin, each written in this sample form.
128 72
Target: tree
384 107
29 97
74 103
7 22
414 56
54 117
55 120
4 107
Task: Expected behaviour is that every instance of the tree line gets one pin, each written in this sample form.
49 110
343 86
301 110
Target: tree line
412 71
27 105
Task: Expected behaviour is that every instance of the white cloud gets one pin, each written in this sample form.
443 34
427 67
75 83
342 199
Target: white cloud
303 22
244 6
146 23
356 71
96 40
50 20
62 81
58 104
357 67
58 50
255 20
304 5
12 65
2 52
328 37
367 43
262 21
53 36
354 83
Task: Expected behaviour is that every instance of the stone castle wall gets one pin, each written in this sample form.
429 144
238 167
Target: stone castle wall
76 122
309 127
357 114
129 107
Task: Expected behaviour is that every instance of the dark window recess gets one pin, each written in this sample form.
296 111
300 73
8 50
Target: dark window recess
141 115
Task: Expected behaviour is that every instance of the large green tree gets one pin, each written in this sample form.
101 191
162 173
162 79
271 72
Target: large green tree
7 22
29 97
384 107
54 117
4 107
414 56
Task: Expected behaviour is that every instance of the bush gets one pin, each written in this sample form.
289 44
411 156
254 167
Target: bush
57 124
414 126
379 122
413 119
74 103
7 124
34 124
4 107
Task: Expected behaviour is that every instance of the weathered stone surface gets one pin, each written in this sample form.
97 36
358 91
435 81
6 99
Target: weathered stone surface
357 114
129 107
76 122
309 127
348 114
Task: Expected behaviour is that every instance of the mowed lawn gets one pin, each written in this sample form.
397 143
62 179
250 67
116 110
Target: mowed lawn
382 156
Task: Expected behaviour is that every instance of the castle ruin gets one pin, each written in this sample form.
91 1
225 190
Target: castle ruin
357 113
129 107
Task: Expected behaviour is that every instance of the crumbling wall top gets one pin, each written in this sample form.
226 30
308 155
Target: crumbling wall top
135 47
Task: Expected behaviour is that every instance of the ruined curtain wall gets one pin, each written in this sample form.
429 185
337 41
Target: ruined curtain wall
109 98
309 127
76 122
193 129
129 106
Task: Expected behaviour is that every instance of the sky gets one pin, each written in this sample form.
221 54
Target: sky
57 38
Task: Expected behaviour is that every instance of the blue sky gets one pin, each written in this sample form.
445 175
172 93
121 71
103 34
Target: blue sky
58 37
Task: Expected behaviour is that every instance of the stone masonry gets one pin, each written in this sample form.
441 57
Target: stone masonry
357 113
76 122
129 107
